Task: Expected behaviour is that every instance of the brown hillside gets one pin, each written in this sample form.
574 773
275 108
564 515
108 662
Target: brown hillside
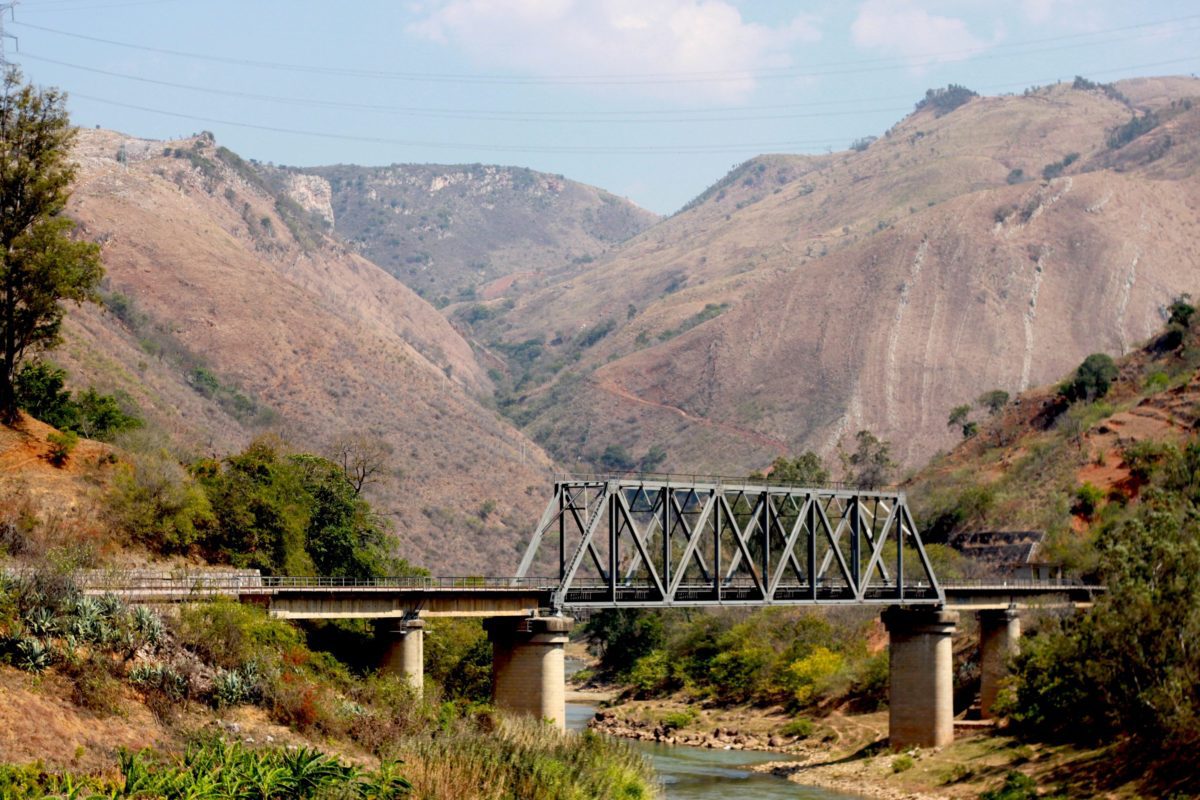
878 289
317 335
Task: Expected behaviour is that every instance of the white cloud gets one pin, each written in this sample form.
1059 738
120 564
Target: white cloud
553 38
902 28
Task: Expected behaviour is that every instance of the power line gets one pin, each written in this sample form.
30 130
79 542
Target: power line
497 116
847 67
542 117
488 147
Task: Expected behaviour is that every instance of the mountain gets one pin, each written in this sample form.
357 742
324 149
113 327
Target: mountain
231 312
458 232
991 245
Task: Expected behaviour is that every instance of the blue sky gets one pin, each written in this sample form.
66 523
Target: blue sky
651 99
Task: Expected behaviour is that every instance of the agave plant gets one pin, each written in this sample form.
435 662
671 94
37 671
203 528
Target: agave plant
32 655
148 625
312 771
111 606
41 622
229 688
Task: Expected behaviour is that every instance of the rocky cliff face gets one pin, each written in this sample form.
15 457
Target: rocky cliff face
462 232
805 298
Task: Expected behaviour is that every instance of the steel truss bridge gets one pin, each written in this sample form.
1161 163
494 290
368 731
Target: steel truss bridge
649 543
632 542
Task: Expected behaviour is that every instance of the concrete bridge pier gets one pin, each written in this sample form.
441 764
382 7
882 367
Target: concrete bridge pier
920 667
405 653
999 641
528 674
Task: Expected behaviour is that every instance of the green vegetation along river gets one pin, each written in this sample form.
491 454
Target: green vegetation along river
696 773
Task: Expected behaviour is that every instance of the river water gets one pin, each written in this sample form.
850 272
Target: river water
698 773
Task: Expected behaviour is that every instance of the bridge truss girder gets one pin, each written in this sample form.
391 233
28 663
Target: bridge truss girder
657 543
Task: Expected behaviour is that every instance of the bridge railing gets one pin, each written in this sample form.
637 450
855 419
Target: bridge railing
250 584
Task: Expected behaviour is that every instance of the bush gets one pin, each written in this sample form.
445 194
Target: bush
679 719
943 101
1092 378
61 445
95 688
651 674
902 763
1087 499
799 728
1017 786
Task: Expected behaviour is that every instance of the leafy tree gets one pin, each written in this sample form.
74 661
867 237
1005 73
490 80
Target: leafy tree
806 469
39 390
958 417
654 458
624 635
1130 665
1181 311
994 401
870 465
40 264
1092 378
292 514
101 416
1179 322
943 101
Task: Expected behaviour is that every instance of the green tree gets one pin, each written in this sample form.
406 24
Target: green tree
870 465
994 401
624 635
1092 378
40 264
806 469
39 390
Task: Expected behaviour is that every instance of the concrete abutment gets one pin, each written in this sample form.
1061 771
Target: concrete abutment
921 684
528 666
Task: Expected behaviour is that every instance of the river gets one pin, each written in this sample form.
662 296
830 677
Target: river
700 773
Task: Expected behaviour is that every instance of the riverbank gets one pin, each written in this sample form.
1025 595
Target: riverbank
848 753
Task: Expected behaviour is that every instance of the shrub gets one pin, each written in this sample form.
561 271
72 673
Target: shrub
651 674
1087 499
679 719
799 728
1017 786
807 677
902 763
1015 176
943 101
61 445
1092 379
1124 134
95 688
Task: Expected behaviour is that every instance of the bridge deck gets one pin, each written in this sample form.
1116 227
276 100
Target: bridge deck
325 598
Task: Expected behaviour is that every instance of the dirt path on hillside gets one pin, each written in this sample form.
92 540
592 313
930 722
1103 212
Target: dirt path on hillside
619 391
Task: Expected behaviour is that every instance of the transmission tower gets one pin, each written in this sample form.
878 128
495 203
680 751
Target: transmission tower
9 8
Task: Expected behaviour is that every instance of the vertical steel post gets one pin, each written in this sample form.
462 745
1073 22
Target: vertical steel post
899 550
766 539
855 544
717 546
561 491
812 548
612 545
664 494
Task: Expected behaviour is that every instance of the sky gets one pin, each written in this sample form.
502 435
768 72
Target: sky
653 100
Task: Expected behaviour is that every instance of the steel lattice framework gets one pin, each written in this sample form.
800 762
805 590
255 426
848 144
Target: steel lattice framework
629 542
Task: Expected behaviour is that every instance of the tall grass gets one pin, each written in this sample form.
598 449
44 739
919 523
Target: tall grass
525 759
